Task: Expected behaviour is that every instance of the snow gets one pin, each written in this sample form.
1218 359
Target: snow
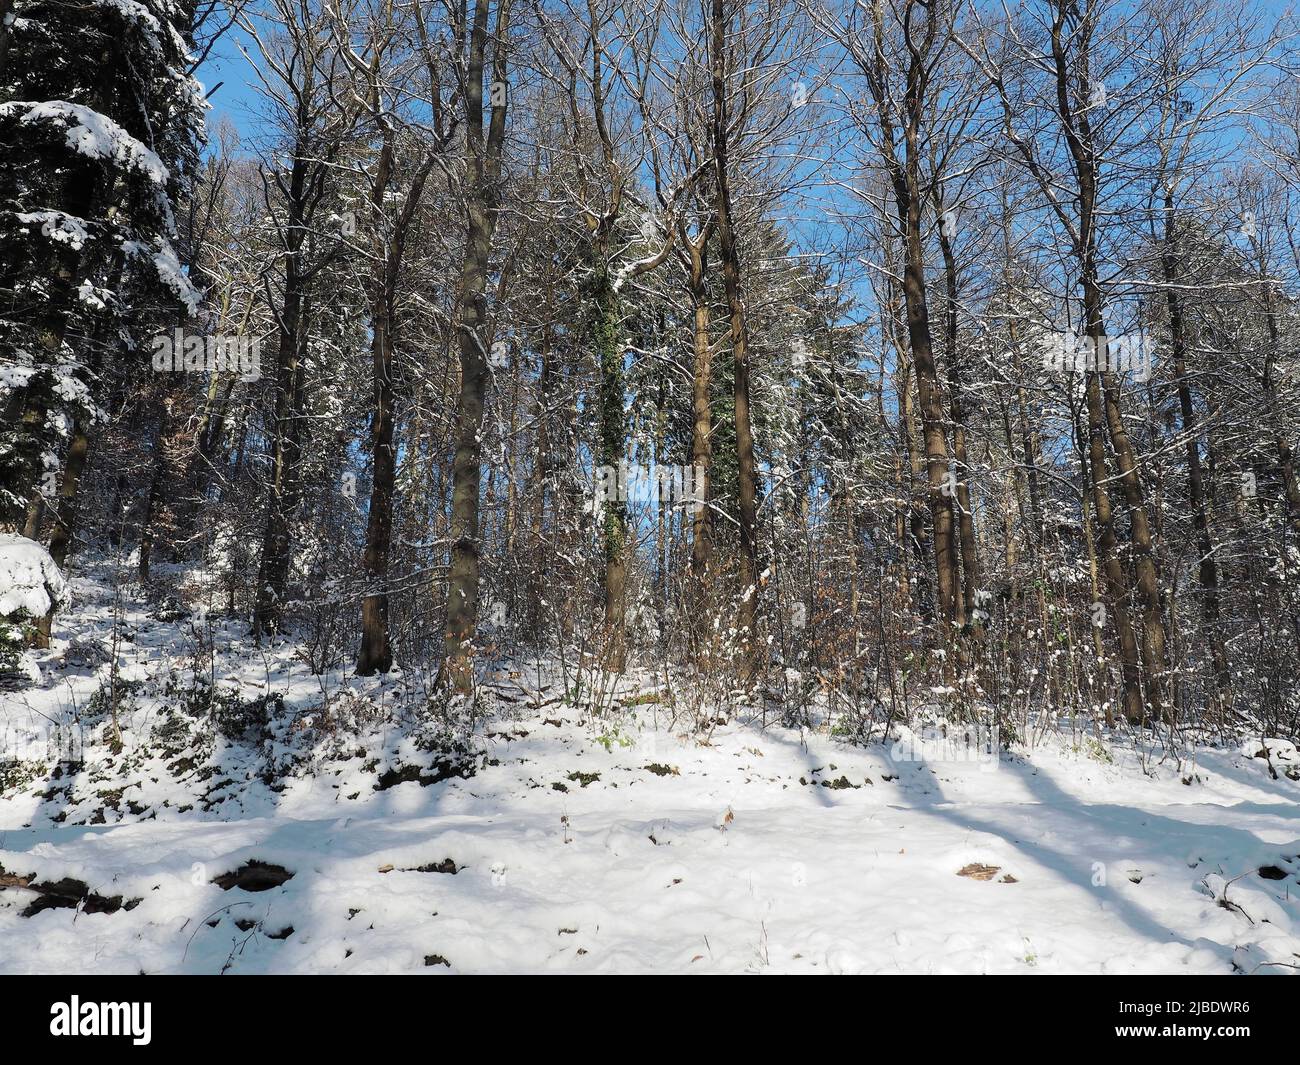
57 226
87 293
170 272
14 376
29 579
615 842
92 134
136 12
70 388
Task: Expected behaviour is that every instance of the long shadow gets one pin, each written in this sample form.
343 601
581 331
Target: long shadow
64 752
803 754
1113 821
1221 763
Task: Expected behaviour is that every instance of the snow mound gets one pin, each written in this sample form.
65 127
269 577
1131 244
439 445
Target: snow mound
29 579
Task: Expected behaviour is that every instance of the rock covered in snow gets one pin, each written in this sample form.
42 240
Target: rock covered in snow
29 579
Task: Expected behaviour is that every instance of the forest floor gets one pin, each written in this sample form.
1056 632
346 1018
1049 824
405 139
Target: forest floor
319 823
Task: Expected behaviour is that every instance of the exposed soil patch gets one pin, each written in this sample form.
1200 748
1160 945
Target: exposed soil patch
64 894
444 866
414 774
247 924
254 876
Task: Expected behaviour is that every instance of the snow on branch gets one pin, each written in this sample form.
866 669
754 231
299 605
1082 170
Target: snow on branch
92 134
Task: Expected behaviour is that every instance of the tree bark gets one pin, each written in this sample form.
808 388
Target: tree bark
701 412
965 513
746 613
1105 417
1207 569
482 172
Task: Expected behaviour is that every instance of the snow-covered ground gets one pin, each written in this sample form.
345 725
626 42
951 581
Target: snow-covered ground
541 838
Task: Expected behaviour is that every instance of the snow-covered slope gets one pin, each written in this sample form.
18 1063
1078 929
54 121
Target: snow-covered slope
29 580
545 839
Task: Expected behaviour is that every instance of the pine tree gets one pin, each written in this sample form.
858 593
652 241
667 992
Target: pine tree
100 123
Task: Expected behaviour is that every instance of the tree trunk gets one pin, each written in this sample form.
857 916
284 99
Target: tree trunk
482 169
1104 415
65 517
273 570
1207 570
701 413
606 336
375 655
746 614
965 514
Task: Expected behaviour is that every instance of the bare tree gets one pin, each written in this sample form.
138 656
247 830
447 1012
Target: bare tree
300 69
483 155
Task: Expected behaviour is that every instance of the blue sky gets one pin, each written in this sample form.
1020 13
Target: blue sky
237 97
